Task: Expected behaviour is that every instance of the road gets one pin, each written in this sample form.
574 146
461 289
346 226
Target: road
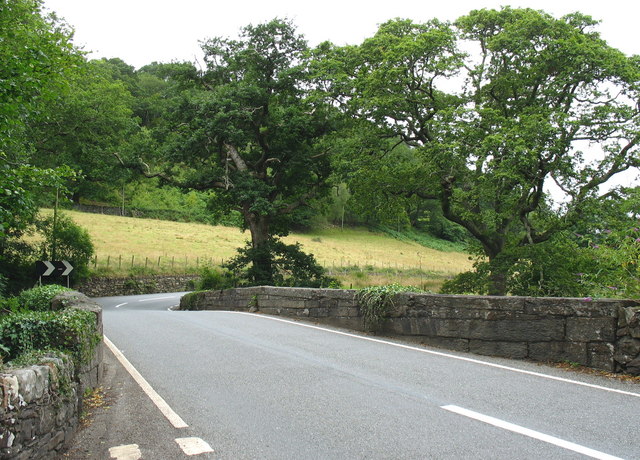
258 387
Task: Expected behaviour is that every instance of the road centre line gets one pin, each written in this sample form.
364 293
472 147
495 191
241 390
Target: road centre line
119 305
160 403
444 355
193 446
530 433
157 298
128 452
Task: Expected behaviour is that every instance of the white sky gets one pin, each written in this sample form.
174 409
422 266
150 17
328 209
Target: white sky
143 31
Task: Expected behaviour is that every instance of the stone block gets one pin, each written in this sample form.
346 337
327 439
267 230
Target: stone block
572 307
27 384
591 329
56 441
343 322
349 312
434 301
427 327
446 342
630 318
627 349
559 351
601 356
508 331
633 367
320 312
398 326
514 350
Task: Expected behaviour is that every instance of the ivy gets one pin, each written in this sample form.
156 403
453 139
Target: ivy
39 298
72 331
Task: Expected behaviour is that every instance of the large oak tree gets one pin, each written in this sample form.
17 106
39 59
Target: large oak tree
535 103
246 127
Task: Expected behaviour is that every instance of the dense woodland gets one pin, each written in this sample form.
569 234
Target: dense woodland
502 130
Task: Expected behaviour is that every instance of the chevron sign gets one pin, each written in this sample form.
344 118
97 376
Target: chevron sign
55 268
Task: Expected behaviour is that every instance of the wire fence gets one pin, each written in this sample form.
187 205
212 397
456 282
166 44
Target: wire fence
127 262
352 274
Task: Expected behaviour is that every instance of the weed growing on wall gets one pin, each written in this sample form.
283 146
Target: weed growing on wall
376 302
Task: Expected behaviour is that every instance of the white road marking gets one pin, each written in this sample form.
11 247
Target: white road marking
129 452
160 403
157 298
118 306
193 446
445 355
530 433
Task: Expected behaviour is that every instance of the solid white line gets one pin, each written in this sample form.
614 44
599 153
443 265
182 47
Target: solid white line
530 433
157 298
118 306
193 446
445 355
160 403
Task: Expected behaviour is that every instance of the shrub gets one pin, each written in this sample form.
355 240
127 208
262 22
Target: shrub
66 241
214 279
39 298
289 266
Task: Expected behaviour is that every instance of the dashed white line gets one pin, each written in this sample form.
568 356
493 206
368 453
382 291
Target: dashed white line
119 305
193 446
128 452
160 403
156 298
445 355
530 433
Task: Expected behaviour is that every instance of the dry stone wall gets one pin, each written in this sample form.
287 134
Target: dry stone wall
40 405
603 334
106 287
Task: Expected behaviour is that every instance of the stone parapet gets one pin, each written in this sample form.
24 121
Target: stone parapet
107 287
40 405
603 334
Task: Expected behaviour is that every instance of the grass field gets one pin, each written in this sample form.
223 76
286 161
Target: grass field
358 257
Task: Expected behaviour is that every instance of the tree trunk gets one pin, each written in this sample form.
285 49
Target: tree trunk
262 271
498 268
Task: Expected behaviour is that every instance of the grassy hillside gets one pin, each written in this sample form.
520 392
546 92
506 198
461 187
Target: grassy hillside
358 257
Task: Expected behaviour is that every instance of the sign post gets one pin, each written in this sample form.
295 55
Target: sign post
53 268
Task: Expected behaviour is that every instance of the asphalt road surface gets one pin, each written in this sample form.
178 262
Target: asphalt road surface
250 386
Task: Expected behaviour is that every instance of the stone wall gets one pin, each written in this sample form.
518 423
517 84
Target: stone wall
40 405
106 287
603 334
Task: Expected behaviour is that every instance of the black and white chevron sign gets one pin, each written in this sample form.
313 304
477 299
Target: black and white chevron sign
54 268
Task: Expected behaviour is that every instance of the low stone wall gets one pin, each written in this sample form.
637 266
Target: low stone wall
603 334
106 287
40 405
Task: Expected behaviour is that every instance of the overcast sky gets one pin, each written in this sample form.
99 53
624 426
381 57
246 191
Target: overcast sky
143 31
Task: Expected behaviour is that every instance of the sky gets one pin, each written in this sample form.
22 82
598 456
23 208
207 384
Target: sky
143 31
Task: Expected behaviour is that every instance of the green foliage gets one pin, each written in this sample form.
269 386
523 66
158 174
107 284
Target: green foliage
424 239
488 149
247 129
603 264
72 331
275 263
212 278
39 298
376 302
36 55
84 125
475 281
65 240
